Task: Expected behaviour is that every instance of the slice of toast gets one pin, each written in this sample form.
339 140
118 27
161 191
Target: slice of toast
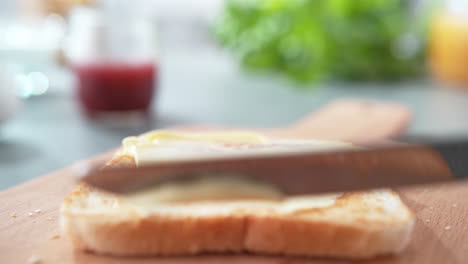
181 219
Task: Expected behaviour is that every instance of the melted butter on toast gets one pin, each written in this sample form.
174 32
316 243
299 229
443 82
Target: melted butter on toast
164 145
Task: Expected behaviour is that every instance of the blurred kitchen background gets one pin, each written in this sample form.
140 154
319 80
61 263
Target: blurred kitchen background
64 65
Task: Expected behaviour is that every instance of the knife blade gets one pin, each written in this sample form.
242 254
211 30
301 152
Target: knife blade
306 172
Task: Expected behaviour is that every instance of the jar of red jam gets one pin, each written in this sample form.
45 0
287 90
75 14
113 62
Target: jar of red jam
112 55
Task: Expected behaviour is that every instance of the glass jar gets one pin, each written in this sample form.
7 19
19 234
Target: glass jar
112 58
448 47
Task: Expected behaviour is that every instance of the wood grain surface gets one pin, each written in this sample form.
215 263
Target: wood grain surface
29 213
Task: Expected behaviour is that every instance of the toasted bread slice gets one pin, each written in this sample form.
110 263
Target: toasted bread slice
351 225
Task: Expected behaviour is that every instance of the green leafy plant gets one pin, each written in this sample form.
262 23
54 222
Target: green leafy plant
323 39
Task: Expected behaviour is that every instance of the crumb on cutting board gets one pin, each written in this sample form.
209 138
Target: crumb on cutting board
34 260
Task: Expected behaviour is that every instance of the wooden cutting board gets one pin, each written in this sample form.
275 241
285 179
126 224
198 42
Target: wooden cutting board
29 213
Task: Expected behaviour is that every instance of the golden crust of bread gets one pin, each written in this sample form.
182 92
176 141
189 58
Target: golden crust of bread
153 235
127 232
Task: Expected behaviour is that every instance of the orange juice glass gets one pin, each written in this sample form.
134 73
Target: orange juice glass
448 46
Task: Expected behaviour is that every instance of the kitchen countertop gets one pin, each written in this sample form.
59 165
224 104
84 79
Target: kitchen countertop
202 85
